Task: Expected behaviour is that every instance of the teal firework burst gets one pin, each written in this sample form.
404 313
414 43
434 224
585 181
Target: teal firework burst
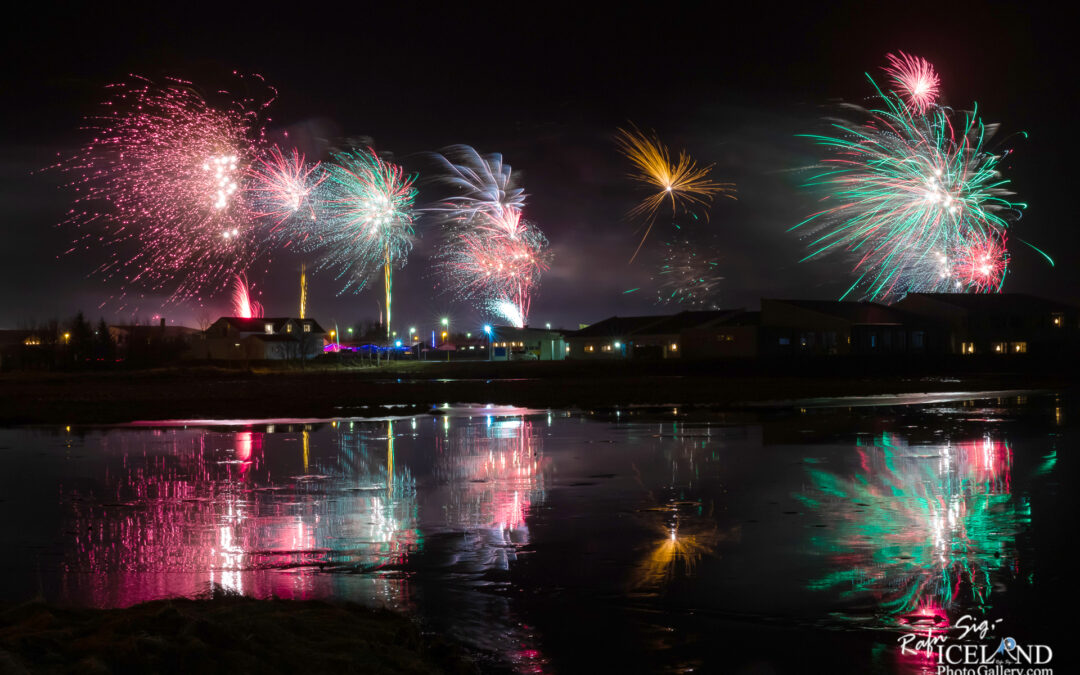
917 201
368 224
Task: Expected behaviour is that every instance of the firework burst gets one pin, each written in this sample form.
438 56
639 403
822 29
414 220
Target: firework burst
683 182
689 275
915 80
160 185
369 219
913 199
282 191
486 185
491 253
243 306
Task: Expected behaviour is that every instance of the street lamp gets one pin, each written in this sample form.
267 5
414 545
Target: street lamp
487 330
446 334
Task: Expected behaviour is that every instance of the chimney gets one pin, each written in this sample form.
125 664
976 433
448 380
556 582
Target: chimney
162 322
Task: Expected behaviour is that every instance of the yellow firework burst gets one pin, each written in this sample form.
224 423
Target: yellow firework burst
682 182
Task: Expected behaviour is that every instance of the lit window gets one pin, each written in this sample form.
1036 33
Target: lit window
1058 318
606 348
1019 348
288 328
999 347
967 347
269 328
307 327
674 347
590 348
567 349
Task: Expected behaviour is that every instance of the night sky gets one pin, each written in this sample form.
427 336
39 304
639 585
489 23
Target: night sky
546 88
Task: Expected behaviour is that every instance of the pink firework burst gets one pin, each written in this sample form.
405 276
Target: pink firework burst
915 78
981 265
243 306
282 191
160 185
491 252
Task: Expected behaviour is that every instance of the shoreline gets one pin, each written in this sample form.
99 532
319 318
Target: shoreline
410 388
221 633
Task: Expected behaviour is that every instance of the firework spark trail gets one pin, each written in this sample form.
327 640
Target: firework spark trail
243 306
368 224
682 182
911 197
491 253
915 79
486 183
508 310
159 183
283 190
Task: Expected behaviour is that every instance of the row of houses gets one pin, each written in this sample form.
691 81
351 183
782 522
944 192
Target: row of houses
920 324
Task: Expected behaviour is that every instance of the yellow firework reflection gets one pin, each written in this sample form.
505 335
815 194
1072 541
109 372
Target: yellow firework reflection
677 550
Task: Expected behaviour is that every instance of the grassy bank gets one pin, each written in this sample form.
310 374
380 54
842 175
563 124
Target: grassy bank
227 634
206 392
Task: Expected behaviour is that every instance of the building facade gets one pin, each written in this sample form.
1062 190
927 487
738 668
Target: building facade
270 339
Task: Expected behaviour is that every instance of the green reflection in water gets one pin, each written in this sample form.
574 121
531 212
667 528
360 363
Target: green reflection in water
916 530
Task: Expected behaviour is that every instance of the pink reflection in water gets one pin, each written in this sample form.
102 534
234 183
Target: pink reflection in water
212 509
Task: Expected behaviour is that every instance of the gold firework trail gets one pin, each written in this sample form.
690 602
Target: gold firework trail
682 182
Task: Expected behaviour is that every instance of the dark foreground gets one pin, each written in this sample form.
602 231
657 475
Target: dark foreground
226 634
214 393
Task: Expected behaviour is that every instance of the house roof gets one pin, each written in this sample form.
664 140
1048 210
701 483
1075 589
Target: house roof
16 337
155 329
854 312
1009 303
617 326
677 323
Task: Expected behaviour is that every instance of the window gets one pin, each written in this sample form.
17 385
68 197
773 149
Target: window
288 328
590 348
917 339
967 347
674 346
606 348
785 341
1000 347
724 337
1058 319
307 327
268 327
1019 348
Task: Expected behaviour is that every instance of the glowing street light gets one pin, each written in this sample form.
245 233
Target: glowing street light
445 333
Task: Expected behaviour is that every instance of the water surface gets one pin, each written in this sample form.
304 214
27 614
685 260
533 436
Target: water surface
559 541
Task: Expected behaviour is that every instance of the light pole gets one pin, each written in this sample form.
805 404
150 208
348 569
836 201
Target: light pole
487 331
413 342
446 335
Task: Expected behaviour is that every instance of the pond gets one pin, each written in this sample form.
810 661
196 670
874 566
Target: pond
617 540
